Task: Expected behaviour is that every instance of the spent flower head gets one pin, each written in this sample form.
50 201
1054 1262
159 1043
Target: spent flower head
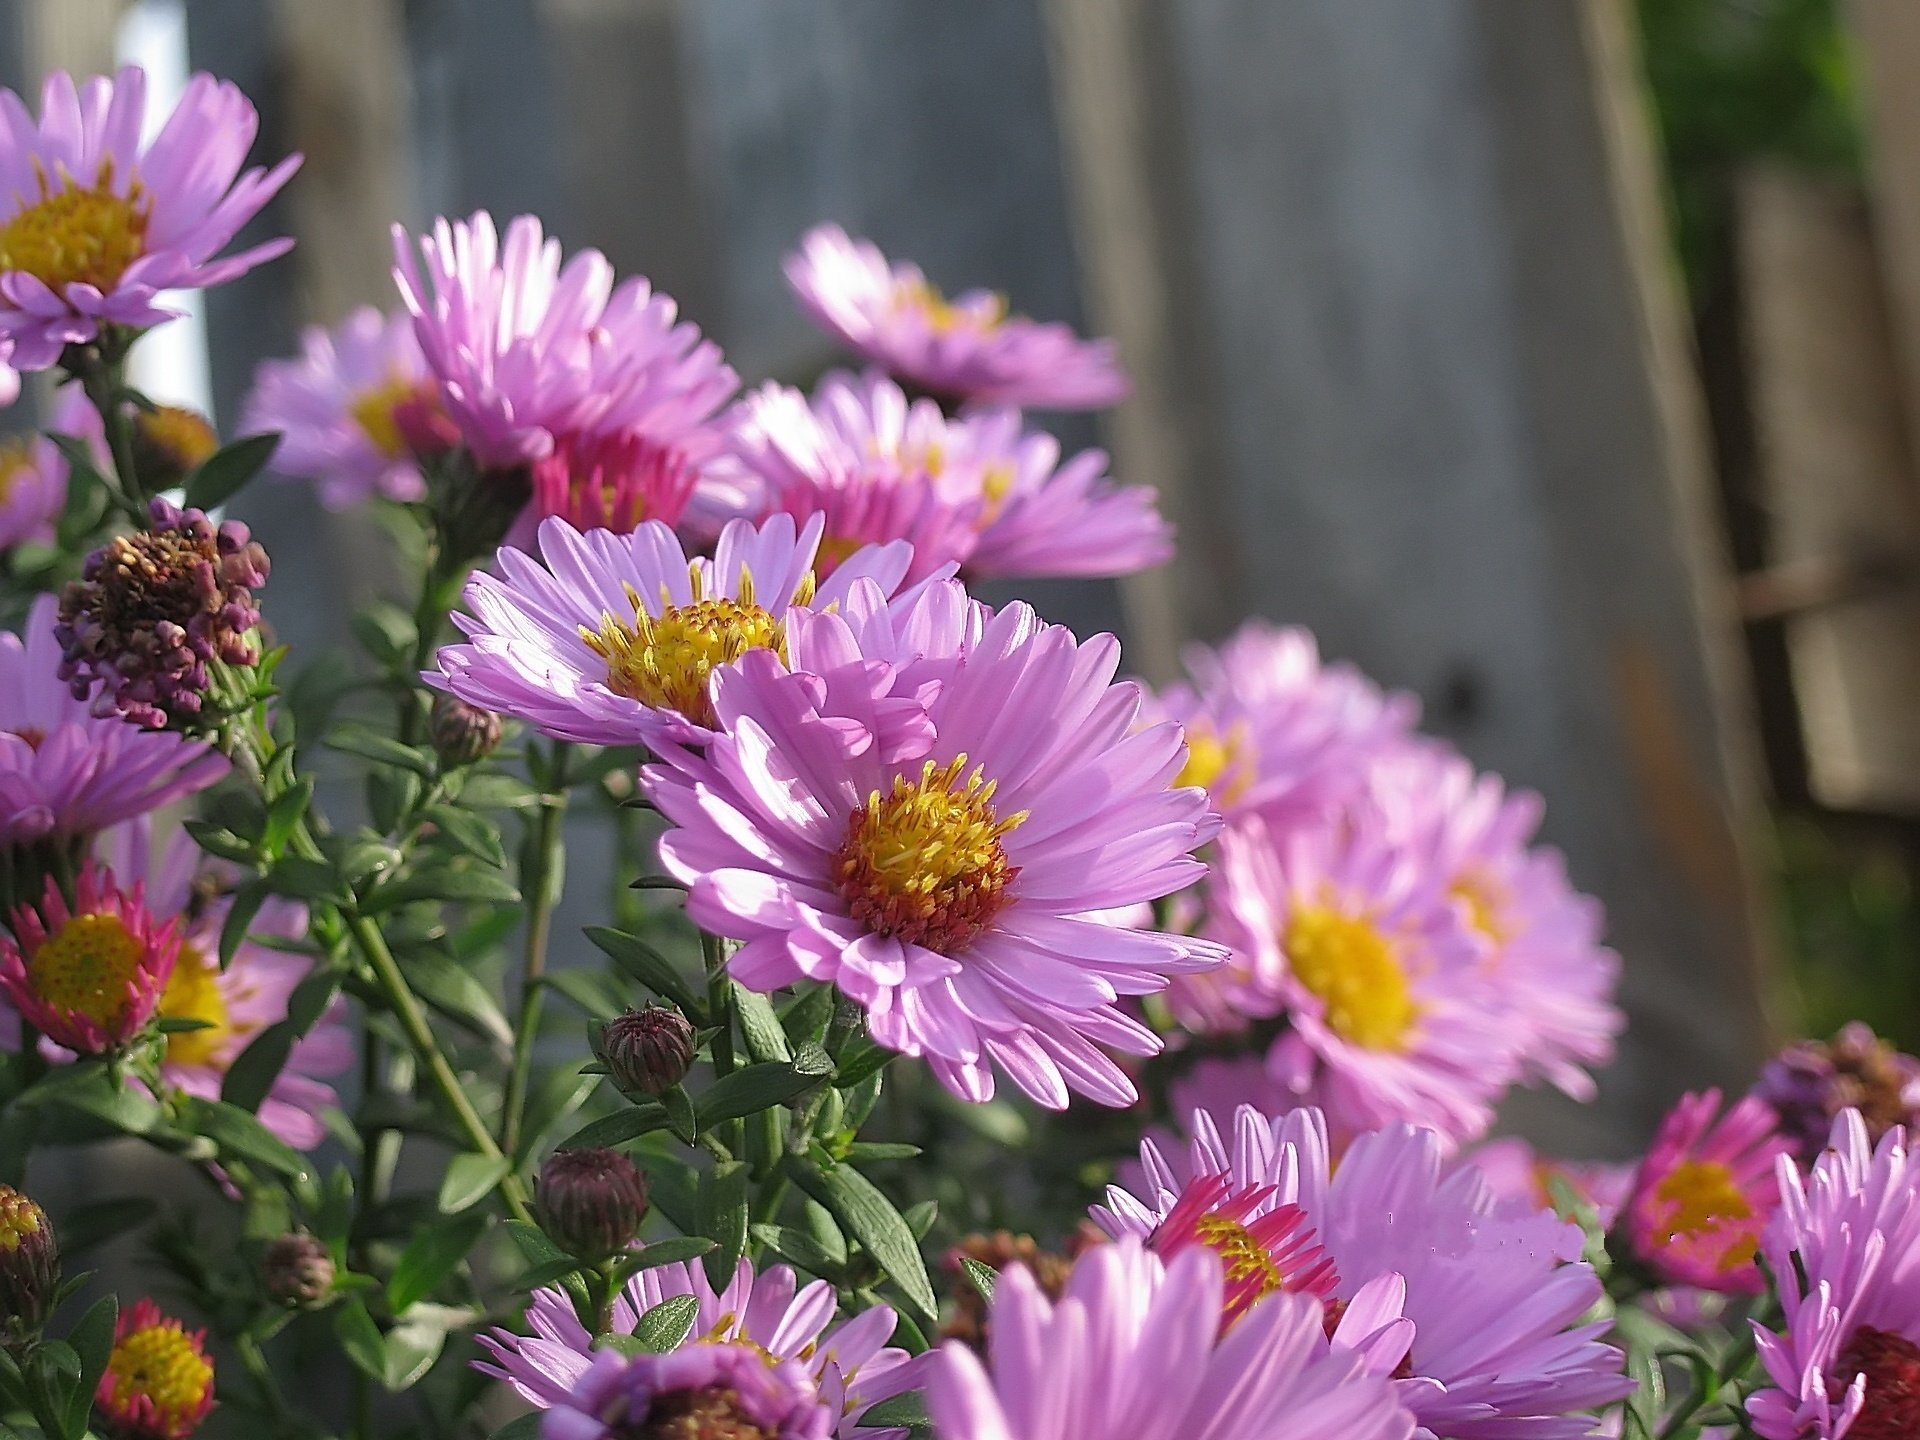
1811 1082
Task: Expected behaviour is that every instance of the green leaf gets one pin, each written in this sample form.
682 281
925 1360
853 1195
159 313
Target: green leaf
675 1251
467 832
801 1249
385 631
92 1341
871 1150
454 991
250 1078
304 879
469 886
523 1427
872 1220
381 749
724 1195
863 1064
354 1328
983 1277
78 454
470 1178
430 1257
87 1225
533 1243
241 1135
808 1017
219 841
755 1088
590 990
648 966
758 1023
285 813
666 1326
241 913
617 1128
222 473
409 1353
908 1411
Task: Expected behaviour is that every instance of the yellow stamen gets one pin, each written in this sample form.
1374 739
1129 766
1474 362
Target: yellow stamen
373 411
160 1363
943 317
193 993
1219 764
1707 1201
20 1218
1357 974
1244 1258
16 459
1485 902
77 233
87 967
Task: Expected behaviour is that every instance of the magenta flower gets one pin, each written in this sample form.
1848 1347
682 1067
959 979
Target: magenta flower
1845 1253
94 224
1264 1246
349 409
1495 1293
528 352
1136 1349
924 817
1704 1194
849 1365
697 1391
967 349
67 772
611 639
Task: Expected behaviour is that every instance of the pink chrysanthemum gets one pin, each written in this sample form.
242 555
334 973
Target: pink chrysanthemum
1540 938
1495 1293
1845 1253
966 349
1263 1246
1351 938
849 1364
89 975
349 409
1135 1349
94 224
67 772
158 1382
612 640
529 353
1704 1194
925 817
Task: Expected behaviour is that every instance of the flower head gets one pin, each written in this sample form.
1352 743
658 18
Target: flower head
1135 1349
1844 1251
729 1392
849 1365
95 223
923 812
297 1270
1705 1192
1263 1246
349 409
66 772
648 1051
158 1383
33 473
591 1201
965 349
612 639
1811 1082
153 610
29 1268
88 976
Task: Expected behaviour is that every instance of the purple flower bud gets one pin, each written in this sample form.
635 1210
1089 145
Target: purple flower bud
297 1271
462 733
648 1050
591 1202
1811 1082
29 1268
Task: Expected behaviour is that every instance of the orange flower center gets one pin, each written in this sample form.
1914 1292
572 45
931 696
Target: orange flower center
77 234
160 1364
1708 1207
87 967
1356 972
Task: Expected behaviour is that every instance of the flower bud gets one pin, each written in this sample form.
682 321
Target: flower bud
170 443
648 1050
462 733
591 1202
29 1268
298 1271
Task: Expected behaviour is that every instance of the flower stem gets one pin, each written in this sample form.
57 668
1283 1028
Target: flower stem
542 874
715 950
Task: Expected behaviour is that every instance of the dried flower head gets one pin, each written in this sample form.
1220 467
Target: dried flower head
591 1201
1808 1084
649 1050
29 1268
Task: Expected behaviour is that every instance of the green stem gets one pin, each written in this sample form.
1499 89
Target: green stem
714 951
541 879
101 375
255 1361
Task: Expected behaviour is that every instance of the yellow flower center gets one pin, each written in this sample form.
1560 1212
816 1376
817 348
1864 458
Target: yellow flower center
160 1363
87 967
373 411
1356 973
1706 1202
177 437
943 317
664 661
1485 904
1218 764
77 233
923 862
19 1219
995 486
15 460
1244 1258
193 993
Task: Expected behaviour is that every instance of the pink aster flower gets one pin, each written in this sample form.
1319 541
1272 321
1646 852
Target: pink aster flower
1135 1349
33 472
348 409
966 349
1539 937
611 639
1845 1253
66 772
1351 938
1520 1175
849 1365
698 1391
1496 1348
529 353
88 975
94 224
1705 1192
924 817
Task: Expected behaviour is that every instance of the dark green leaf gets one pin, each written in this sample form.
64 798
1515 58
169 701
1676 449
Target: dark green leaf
800 1248
430 1257
304 879
864 1063
361 1339
469 1180
469 886
87 1225
908 1411
872 1220
675 1251
240 1134
982 1277
533 1243
241 912
380 749
666 1326
228 468
753 1089
761 1027
285 813
870 1150
588 989
219 841
468 832
455 992
617 1128
649 967
92 1341
724 1195
524 1427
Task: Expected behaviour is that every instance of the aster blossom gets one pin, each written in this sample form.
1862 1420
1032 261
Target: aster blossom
1487 1336
718 1390
965 349
1844 1250
158 1383
923 812
1134 1349
611 639
95 222
33 490
848 1364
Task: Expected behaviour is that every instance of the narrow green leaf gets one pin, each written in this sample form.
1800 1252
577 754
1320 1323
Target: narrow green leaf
872 1220
284 814
908 1411
467 886
468 832
92 1341
365 1346
675 1251
753 1089
522 1427
648 966
469 1180
241 1134
222 473
617 1128
983 1277
455 992
724 1196
800 1248
303 879
409 1353
221 842
433 1254
242 910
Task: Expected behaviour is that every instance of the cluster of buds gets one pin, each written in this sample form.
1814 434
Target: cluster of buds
29 1269
591 1202
152 611
647 1051
996 1251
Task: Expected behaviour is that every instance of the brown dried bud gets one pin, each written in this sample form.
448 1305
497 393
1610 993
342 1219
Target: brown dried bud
591 1202
462 733
298 1271
170 443
648 1050
29 1268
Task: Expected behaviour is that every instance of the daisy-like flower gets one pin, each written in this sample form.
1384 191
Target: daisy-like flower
1845 1252
89 975
1520 1174
1704 1194
1135 1349
924 817
350 409
529 353
1811 1082
965 349
611 639
1353 939
94 224
65 772
1494 1292
33 490
1539 937
702 1390
158 1383
848 1365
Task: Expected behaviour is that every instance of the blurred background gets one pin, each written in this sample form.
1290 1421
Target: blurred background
1554 359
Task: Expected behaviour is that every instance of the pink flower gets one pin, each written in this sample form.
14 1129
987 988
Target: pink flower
967 349
33 473
697 1391
94 224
